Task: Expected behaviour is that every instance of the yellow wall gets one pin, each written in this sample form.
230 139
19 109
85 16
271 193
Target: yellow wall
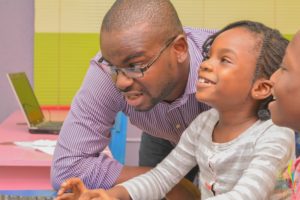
84 16
66 35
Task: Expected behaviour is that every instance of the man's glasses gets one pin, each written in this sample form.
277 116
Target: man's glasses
138 70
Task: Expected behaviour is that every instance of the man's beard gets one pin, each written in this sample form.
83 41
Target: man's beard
154 101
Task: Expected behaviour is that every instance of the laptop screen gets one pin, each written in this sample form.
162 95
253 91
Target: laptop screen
26 97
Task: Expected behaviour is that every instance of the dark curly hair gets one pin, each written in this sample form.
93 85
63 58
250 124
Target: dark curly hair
271 49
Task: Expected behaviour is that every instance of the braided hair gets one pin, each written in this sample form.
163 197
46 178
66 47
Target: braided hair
271 47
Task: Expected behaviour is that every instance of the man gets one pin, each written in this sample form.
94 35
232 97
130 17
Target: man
147 69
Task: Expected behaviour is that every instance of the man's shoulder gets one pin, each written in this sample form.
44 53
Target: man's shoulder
196 38
198 32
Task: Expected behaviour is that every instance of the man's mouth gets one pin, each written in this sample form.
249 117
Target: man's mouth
132 95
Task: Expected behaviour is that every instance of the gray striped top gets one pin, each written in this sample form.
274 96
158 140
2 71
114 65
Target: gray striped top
245 168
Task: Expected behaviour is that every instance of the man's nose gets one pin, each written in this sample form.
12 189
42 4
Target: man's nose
122 81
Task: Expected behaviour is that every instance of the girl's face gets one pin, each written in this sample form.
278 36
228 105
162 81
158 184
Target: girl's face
285 109
226 77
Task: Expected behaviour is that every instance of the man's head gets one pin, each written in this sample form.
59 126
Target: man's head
144 47
285 109
159 14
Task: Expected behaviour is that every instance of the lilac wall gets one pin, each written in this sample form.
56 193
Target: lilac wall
16 47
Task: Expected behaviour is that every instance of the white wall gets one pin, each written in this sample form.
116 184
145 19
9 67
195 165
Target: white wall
16 47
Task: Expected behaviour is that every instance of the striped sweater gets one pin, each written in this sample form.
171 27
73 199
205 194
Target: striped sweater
245 168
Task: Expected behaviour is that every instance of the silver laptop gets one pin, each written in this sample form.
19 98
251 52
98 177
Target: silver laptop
29 105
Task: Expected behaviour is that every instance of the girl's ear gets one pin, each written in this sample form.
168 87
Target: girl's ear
181 48
262 88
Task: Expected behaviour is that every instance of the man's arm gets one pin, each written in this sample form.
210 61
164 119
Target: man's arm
86 133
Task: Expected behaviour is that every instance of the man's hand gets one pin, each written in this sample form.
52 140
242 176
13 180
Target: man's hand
78 191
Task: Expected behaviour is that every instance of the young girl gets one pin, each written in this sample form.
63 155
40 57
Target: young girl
238 149
285 108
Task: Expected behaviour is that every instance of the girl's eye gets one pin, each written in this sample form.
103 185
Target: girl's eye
226 60
283 68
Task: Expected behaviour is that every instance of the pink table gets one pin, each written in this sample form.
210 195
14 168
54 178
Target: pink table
24 168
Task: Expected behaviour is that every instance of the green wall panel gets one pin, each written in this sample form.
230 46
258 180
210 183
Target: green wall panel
60 63
289 36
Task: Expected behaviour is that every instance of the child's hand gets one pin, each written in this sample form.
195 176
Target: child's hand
75 185
80 192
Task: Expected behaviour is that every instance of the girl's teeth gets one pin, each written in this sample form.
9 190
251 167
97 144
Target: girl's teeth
201 80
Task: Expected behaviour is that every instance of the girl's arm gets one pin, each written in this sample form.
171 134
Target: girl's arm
156 183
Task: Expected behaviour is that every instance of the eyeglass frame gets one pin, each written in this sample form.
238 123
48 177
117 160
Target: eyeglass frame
139 69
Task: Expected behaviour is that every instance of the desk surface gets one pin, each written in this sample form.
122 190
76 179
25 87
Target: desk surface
15 129
20 167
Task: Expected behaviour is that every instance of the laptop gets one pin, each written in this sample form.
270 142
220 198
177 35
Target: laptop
29 105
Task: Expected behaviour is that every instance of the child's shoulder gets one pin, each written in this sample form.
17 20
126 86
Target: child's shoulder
269 133
274 130
211 115
204 122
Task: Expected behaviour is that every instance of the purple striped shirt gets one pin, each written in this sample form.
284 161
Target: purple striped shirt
86 130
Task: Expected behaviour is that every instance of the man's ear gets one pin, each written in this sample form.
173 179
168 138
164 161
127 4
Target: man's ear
262 88
181 48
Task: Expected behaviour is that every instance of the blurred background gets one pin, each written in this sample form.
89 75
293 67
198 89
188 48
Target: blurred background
54 40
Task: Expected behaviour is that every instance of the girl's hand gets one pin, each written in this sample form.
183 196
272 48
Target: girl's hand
78 191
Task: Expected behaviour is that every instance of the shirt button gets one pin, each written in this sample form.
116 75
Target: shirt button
178 126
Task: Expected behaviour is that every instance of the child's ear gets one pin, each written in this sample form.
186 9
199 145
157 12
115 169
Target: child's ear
262 88
181 48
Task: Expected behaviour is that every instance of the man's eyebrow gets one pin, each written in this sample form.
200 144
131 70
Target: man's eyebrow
135 55
127 59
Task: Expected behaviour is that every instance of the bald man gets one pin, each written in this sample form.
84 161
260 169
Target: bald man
147 69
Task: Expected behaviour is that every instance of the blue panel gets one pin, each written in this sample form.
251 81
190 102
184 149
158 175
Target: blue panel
28 193
118 138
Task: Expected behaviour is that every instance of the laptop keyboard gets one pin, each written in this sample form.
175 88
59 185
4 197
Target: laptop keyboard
49 124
